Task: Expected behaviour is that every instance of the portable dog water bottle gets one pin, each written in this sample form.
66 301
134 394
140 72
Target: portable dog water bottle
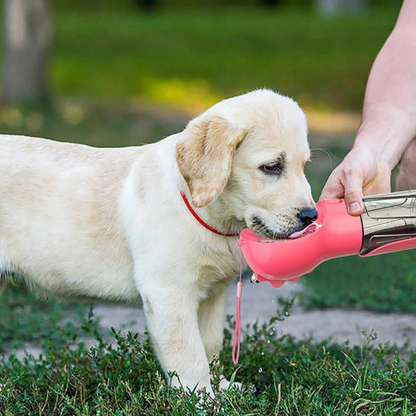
388 224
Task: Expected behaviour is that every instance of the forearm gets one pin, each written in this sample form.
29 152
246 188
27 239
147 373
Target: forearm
389 115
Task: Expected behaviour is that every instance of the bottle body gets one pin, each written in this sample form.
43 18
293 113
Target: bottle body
389 223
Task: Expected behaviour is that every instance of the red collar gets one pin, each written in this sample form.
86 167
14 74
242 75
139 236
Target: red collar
201 221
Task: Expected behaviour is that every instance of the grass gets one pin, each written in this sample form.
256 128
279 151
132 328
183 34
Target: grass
92 123
26 319
280 376
188 59
382 283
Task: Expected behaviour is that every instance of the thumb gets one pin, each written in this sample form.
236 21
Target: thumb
353 194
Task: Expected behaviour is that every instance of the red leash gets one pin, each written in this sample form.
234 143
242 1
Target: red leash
237 328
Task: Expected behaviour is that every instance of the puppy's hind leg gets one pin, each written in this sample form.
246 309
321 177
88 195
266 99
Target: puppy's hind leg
2 286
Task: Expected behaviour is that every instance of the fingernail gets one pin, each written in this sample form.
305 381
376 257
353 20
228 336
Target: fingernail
354 207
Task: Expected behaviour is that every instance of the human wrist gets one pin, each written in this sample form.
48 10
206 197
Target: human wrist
385 132
386 142
383 150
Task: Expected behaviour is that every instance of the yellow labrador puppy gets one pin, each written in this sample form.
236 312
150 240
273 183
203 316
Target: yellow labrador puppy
112 224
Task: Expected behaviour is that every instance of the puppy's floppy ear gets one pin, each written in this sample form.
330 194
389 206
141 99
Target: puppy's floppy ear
204 158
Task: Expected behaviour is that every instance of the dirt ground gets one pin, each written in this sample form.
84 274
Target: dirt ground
259 302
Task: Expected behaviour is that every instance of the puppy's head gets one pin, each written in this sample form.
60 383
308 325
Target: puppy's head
250 152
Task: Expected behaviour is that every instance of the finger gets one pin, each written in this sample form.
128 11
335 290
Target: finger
354 194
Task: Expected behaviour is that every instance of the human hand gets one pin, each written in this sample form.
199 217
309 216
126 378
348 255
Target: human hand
362 172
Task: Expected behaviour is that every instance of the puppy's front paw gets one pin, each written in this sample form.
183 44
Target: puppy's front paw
225 384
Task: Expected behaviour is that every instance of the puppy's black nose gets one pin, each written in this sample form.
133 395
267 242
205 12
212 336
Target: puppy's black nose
307 216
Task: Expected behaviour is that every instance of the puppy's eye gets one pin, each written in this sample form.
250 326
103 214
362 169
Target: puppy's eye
275 168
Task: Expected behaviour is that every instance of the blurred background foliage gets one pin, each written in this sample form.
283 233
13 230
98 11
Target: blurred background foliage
188 54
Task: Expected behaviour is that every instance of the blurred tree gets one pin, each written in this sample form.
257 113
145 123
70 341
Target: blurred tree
331 7
28 40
